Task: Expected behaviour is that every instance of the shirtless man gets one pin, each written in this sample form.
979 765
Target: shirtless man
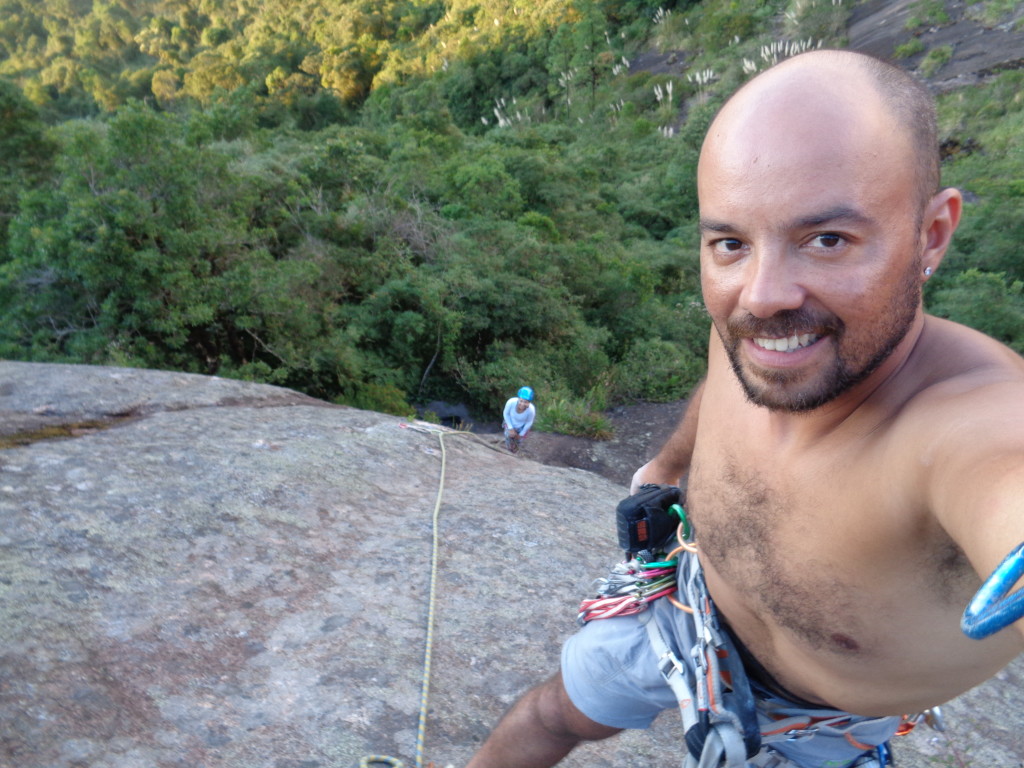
855 467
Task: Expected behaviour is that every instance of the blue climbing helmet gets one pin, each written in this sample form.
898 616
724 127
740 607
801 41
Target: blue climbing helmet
525 393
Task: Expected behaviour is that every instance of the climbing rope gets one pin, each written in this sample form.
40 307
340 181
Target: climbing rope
425 687
369 760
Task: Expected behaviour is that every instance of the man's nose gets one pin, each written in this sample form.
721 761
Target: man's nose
770 284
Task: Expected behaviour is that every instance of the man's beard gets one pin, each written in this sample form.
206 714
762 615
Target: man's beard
780 390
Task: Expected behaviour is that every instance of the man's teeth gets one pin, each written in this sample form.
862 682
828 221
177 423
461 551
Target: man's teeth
787 344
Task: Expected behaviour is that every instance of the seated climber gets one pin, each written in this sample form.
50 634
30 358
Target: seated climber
517 417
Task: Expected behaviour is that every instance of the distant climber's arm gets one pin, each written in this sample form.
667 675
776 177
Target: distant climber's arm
506 415
531 412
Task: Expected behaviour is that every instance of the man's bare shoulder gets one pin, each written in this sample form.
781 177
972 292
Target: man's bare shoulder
958 367
957 401
966 411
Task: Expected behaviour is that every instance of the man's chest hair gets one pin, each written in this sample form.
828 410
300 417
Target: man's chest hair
813 548
742 528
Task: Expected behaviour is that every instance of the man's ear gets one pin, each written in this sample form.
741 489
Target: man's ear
940 220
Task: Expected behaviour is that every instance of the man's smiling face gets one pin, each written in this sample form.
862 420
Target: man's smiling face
810 238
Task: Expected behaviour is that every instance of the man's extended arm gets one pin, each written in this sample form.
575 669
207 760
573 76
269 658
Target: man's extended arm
673 460
977 486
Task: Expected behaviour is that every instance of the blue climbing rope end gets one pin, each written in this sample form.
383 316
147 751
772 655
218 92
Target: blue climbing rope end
992 608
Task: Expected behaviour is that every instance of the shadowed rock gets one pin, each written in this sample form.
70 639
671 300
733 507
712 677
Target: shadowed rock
216 573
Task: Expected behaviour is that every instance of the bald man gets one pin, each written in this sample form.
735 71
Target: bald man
854 468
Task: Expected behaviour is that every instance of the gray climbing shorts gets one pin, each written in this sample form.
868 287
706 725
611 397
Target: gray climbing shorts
611 672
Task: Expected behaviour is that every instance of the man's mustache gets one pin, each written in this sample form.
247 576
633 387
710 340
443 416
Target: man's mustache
788 322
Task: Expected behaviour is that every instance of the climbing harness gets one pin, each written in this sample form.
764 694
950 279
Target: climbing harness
511 443
369 760
717 724
993 607
720 726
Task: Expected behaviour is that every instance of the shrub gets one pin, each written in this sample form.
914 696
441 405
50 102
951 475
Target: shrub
908 49
384 398
934 60
927 13
816 19
573 417
656 370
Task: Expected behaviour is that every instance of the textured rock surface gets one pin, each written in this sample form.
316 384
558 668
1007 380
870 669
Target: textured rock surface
214 573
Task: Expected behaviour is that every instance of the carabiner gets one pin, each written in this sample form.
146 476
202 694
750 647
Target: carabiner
684 521
993 608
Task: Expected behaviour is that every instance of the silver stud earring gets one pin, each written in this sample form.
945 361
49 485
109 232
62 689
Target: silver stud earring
927 271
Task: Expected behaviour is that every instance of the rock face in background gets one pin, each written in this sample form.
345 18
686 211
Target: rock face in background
977 50
213 573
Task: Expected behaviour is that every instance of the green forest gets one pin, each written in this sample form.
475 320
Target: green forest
387 202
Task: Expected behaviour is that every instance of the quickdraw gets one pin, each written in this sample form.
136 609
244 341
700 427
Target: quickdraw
713 732
629 587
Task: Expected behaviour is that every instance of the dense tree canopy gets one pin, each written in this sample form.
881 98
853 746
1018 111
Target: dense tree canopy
384 203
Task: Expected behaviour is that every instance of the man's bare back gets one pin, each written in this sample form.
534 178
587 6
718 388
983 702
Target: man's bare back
842 584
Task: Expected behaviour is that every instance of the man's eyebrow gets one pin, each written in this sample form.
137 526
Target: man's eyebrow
708 225
841 214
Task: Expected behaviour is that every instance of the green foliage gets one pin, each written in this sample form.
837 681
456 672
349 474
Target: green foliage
934 59
385 398
909 49
654 370
384 203
661 369
991 249
590 55
484 186
816 19
926 13
722 21
26 153
981 127
573 417
986 301
990 13
143 252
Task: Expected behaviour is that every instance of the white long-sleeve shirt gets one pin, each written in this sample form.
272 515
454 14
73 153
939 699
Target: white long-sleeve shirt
520 422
